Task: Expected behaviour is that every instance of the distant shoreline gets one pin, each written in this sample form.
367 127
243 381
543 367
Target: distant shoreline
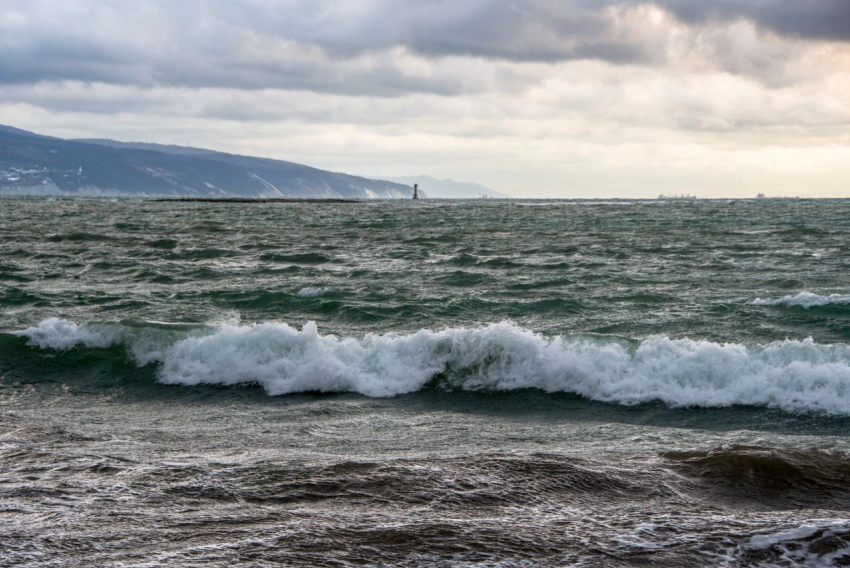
253 200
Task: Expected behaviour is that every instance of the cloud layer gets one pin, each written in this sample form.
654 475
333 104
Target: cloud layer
593 91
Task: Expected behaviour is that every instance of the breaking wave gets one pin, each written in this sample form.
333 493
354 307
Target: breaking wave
805 300
795 376
312 292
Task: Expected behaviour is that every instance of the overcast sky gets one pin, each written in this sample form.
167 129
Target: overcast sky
537 98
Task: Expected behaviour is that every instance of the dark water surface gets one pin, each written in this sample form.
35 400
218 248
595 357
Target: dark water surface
467 383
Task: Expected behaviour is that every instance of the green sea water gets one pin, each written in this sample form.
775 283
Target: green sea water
550 382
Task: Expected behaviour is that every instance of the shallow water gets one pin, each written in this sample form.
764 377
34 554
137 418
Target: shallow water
586 383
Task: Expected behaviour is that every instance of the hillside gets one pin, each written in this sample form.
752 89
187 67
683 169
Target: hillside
31 164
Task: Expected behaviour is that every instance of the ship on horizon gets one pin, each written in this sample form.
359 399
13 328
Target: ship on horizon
677 197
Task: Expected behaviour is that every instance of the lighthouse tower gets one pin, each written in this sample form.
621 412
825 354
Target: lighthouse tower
415 191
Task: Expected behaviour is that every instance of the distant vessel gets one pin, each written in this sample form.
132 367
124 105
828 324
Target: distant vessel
760 196
677 197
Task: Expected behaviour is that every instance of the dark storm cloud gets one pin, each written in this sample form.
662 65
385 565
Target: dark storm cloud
354 48
526 30
346 47
807 19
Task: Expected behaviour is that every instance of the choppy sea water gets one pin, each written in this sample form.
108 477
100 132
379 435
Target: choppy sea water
468 383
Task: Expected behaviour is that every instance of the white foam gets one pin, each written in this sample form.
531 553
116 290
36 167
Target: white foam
146 344
790 375
62 334
805 300
312 292
763 541
792 546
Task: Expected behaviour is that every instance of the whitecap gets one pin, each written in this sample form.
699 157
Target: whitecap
312 292
805 300
796 376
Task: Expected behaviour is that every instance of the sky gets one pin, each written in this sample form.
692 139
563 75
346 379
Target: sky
534 98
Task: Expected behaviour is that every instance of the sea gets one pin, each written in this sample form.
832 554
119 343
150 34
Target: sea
433 383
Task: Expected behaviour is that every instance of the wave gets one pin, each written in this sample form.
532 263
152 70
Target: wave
79 237
804 472
297 258
805 300
795 376
312 292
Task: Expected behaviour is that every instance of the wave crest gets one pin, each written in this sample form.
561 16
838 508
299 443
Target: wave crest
795 376
805 300
312 292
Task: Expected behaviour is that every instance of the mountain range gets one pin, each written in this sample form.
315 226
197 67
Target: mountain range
32 164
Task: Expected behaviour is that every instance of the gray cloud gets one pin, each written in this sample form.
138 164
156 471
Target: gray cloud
369 47
807 19
293 44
